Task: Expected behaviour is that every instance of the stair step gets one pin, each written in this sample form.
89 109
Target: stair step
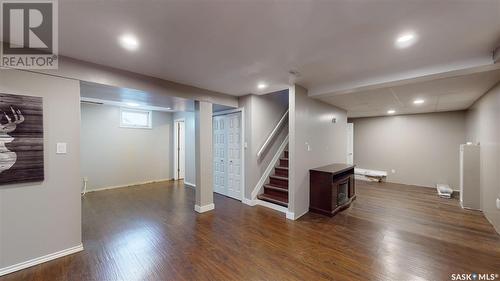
278 181
281 171
284 162
279 177
286 153
275 191
275 188
282 201
281 167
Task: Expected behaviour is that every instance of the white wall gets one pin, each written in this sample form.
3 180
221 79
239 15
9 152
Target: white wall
190 160
430 140
311 123
38 219
115 156
483 126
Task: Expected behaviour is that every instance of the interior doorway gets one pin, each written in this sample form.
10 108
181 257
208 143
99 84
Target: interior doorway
350 143
179 149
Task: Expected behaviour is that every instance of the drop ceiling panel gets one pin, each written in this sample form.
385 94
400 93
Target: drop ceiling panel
364 101
447 94
450 106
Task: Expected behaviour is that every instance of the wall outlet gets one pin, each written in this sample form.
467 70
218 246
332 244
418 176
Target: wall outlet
393 171
498 203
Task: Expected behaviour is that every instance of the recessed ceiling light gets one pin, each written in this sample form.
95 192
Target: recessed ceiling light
168 108
261 86
406 39
132 104
391 111
129 42
419 101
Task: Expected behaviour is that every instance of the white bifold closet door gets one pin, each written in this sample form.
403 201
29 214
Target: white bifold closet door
219 150
227 155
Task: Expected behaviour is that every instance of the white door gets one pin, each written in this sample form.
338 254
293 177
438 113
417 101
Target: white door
219 151
227 155
179 149
350 143
233 133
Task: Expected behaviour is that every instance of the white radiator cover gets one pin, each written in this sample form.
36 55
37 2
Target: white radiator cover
369 175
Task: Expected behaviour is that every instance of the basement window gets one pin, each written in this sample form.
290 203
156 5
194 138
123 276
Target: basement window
135 118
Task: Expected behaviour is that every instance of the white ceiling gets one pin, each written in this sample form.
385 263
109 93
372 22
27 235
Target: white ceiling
446 94
228 46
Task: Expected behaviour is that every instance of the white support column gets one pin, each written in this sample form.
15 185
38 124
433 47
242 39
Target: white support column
203 146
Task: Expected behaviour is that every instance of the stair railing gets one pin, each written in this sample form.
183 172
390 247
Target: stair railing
273 134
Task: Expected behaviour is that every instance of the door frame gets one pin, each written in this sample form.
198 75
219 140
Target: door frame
242 142
176 174
350 146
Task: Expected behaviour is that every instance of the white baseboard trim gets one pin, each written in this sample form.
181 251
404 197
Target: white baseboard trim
271 206
127 185
39 260
496 227
421 185
293 216
403 183
203 209
290 215
248 202
190 184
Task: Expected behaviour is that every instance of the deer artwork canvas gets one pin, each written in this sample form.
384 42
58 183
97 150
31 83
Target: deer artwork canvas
21 139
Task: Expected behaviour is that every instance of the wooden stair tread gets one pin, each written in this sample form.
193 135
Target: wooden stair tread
277 188
279 177
273 199
281 168
284 159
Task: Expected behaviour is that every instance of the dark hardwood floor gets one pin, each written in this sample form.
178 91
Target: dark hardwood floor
391 232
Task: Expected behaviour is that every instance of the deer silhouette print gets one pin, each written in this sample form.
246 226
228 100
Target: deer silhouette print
7 157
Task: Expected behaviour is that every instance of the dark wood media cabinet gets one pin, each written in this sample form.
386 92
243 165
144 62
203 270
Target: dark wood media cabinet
332 188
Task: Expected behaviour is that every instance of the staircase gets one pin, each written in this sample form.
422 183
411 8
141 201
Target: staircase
276 191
